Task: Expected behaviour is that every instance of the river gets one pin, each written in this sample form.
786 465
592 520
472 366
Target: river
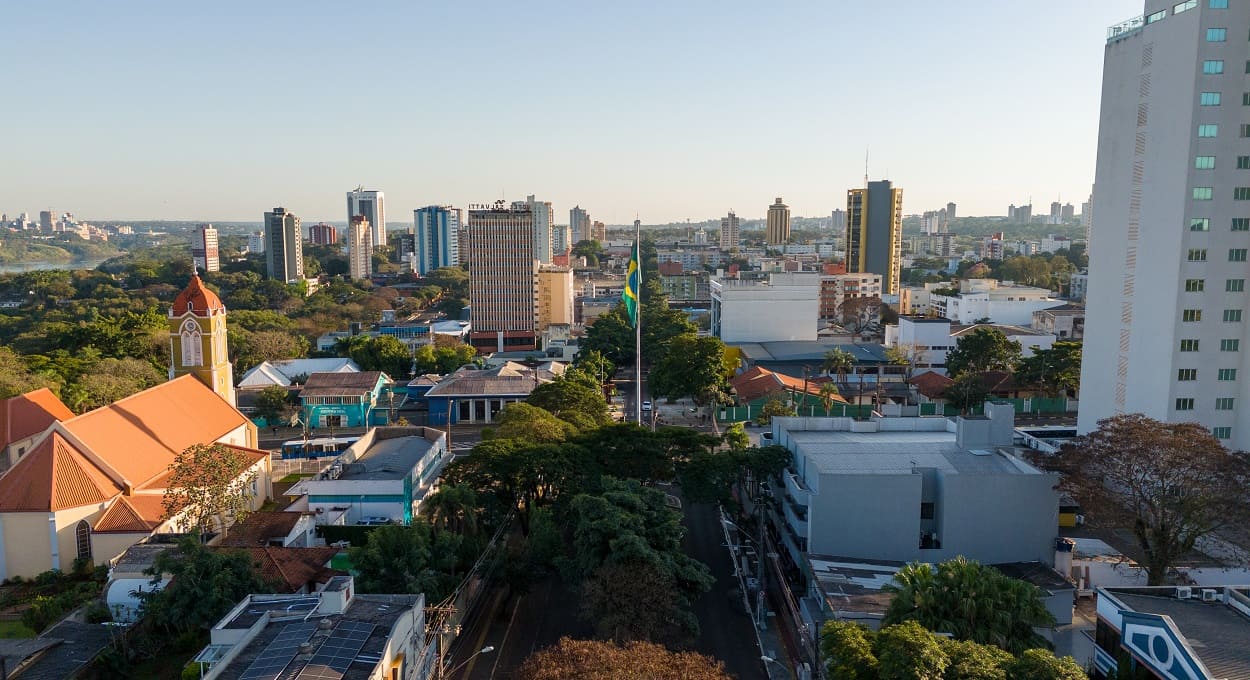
18 267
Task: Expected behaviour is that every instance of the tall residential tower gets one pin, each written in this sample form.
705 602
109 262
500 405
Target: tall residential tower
503 274
729 232
874 233
777 230
579 224
372 204
437 243
284 251
204 252
360 248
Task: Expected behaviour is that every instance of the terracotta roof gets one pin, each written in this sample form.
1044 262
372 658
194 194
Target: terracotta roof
292 567
258 528
52 476
29 414
140 513
340 384
139 436
757 382
197 299
998 381
930 384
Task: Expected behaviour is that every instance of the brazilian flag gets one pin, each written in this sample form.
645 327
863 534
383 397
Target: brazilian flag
633 279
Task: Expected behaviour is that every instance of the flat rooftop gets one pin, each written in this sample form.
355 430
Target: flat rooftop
388 459
893 453
1216 632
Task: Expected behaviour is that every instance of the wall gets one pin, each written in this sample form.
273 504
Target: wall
769 313
999 518
865 516
27 545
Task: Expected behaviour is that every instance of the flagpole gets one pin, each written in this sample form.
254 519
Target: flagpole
638 329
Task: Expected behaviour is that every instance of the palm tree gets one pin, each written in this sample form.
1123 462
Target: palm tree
839 362
828 394
452 508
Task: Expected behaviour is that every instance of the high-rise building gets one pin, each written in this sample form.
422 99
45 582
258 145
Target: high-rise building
1166 304
1067 213
372 204
950 212
204 252
256 242
503 273
579 224
599 232
1087 215
47 219
360 248
874 232
437 241
777 228
561 240
284 254
837 223
729 231
322 234
543 218
554 303
1056 213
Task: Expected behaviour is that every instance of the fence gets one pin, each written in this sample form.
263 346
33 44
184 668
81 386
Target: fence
1029 405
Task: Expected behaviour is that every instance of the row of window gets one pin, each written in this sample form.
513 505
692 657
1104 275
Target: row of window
1204 224
1230 285
1195 315
1190 374
1215 67
1207 193
1226 345
1208 162
1221 404
1234 254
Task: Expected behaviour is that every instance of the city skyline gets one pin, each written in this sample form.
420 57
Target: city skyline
650 133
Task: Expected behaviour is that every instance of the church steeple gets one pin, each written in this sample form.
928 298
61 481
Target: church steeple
197 339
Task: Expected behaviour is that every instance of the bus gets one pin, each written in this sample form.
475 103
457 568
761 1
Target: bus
316 448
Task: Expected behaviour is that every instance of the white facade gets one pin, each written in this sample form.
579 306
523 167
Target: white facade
729 232
256 242
372 204
204 252
543 238
1003 303
928 341
579 225
1167 249
360 248
786 307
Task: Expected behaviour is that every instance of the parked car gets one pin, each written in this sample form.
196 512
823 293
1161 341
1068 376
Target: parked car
646 406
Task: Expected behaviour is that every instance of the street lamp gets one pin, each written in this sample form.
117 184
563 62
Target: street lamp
485 650
768 659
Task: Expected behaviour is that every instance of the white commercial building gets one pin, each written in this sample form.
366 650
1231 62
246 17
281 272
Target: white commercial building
372 204
1004 303
1168 251
204 250
360 248
928 340
785 307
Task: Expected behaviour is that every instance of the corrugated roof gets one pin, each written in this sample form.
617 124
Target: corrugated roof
1215 631
53 476
341 384
141 513
283 372
757 382
29 414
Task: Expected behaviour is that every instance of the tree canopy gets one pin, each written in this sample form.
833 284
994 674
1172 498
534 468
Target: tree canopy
693 365
407 559
984 349
206 584
593 660
1056 370
210 486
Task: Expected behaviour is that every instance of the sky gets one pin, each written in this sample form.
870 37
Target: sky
665 110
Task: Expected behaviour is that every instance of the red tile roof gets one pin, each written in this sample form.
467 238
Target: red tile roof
930 384
757 382
29 414
197 299
292 567
258 528
140 513
52 476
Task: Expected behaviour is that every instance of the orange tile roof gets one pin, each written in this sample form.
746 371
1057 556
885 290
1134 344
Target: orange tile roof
292 567
930 384
29 414
197 299
140 435
141 513
757 382
53 476
258 528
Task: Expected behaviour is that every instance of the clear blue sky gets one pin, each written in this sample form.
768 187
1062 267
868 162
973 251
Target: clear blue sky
672 110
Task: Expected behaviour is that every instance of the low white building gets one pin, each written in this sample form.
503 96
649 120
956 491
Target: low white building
928 340
785 307
1000 302
285 373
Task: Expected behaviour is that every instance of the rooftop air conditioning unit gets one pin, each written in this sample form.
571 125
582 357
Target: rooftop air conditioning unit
1184 592
1210 595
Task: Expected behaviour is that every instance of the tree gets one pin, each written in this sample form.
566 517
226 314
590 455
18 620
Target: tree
589 249
575 397
907 651
636 602
407 559
773 408
846 650
210 485
828 396
384 353
206 584
452 508
1039 664
1171 483
902 355
510 476
274 403
692 366
839 362
968 392
984 349
257 347
861 315
970 601
594 363
531 425
590 660
110 380
1056 370
15 377
972 661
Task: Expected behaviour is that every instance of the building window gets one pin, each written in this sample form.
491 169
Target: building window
192 346
1237 255
1190 345
1245 98
1208 130
82 537
1187 374
1185 404
1195 285
1218 4
1230 345
1191 315
1204 162
1217 34
1202 193
1222 432
1235 286
1241 224
1226 374
1199 224
1213 67
1224 404
1209 99
1197 254
1231 315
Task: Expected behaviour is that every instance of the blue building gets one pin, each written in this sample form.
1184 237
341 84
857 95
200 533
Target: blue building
437 238
345 399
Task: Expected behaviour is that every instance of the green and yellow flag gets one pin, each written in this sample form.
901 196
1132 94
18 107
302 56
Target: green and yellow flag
633 280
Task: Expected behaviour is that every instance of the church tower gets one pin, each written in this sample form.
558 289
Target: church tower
197 339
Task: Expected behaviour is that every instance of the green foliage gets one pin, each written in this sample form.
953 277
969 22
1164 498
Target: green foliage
1040 664
846 649
594 363
612 336
210 485
692 365
574 397
16 378
384 353
710 476
984 349
109 380
206 584
443 360
970 601
589 249
736 436
907 651
968 392
251 348
274 403
772 408
407 559
636 602
839 362
1056 370
530 424
511 476
972 661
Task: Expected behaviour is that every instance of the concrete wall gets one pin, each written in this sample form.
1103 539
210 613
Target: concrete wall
866 516
1003 518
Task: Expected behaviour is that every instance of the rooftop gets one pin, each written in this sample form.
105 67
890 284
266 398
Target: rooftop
809 350
1007 330
259 528
60 652
1216 632
509 379
29 414
341 384
388 459
285 372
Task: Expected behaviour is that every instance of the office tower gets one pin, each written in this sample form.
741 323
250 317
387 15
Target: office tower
204 253
1068 213
284 254
579 224
437 242
837 223
322 234
1166 303
47 219
554 303
599 232
372 204
950 212
729 231
543 217
1087 216
256 242
777 227
503 272
561 240
874 233
1056 213
360 248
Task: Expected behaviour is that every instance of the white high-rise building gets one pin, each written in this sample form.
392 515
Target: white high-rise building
360 248
1166 304
543 218
256 242
204 252
372 204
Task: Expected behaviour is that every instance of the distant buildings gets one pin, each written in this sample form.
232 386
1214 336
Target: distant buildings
836 289
360 248
503 268
874 232
1021 215
777 229
256 242
372 204
542 217
579 224
599 232
561 240
950 211
204 252
837 223
729 232
322 234
785 307
284 255
1001 303
554 291
437 238
47 220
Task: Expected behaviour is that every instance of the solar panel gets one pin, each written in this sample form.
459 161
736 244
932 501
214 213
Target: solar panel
272 660
338 652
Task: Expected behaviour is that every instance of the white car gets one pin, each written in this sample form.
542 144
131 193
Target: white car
646 406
